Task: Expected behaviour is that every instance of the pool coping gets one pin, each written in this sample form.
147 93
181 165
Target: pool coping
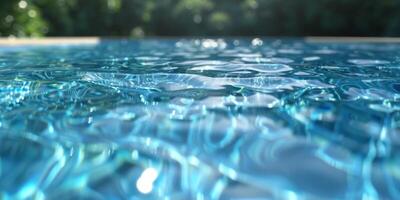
96 40
48 41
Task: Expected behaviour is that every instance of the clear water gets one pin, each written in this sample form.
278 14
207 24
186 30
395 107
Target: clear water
200 119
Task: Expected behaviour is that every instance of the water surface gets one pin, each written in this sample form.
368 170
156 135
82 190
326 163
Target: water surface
200 119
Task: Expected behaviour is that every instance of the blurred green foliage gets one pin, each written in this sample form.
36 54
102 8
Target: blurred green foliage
139 18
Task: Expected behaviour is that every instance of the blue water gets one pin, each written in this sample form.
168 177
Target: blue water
245 119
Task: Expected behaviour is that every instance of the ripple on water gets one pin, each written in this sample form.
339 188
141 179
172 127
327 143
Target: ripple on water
311 58
256 100
277 83
157 81
268 68
267 60
368 62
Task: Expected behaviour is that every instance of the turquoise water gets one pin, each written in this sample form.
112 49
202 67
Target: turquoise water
245 119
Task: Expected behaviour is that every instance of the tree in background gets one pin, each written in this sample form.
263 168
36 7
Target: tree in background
21 18
199 17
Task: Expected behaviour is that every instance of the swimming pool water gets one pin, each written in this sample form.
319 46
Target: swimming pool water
200 119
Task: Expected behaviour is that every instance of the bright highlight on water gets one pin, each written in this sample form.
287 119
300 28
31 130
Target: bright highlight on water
200 119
